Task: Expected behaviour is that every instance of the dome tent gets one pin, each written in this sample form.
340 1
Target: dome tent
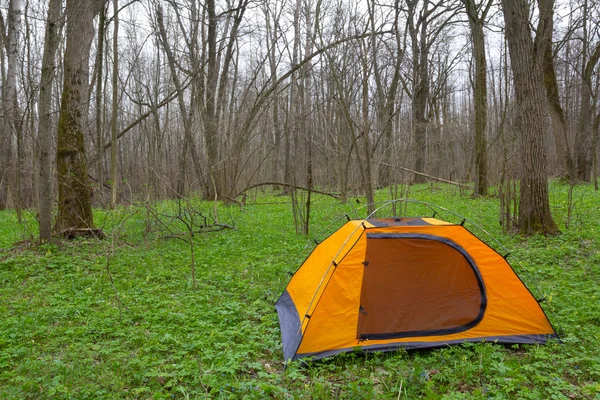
382 284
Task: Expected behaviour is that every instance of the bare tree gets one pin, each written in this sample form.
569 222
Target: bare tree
115 106
585 134
53 24
99 99
426 21
544 51
9 121
534 204
74 197
386 102
186 113
477 14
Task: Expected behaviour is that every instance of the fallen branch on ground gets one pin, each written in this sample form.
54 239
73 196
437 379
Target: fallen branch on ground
334 195
435 178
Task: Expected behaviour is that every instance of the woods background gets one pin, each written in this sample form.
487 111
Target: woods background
128 101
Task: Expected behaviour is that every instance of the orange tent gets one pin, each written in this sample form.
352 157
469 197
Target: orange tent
385 284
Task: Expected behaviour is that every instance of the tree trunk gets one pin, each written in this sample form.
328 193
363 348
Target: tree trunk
365 134
480 94
271 36
420 50
585 133
99 106
188 141
9 107
44 127
115 107
74 195
386 104
543 48
210 117
534 205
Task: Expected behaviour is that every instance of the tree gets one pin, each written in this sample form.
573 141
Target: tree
534 204
186 115
74 194
584 138
426 22
477 14
99 99
8 123
44 108
115 106
543 48
386 102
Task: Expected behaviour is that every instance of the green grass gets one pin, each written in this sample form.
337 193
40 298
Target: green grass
64 333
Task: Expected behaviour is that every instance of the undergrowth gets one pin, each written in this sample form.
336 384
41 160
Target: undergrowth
120 318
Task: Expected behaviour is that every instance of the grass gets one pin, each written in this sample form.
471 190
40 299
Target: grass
67 332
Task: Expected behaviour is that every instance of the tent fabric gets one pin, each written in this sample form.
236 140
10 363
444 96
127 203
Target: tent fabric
385 284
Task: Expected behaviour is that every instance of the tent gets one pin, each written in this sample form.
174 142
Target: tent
391 283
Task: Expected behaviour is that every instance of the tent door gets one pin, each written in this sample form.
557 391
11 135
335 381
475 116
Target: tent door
418 285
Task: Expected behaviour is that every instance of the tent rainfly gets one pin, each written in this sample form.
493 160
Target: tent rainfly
386 284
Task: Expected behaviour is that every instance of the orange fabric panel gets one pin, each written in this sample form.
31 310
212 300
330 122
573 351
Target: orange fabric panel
511 309
310 280
333 324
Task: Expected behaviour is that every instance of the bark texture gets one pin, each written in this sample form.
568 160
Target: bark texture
476 23
44 128
9 120
534 207
74 191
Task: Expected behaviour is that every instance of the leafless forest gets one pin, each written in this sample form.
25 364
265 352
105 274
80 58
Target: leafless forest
113 102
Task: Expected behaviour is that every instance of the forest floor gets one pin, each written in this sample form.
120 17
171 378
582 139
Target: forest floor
120 317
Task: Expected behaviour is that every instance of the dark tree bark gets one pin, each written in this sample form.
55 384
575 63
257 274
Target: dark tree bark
476 23
74 192
44 108
99 99
534 205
